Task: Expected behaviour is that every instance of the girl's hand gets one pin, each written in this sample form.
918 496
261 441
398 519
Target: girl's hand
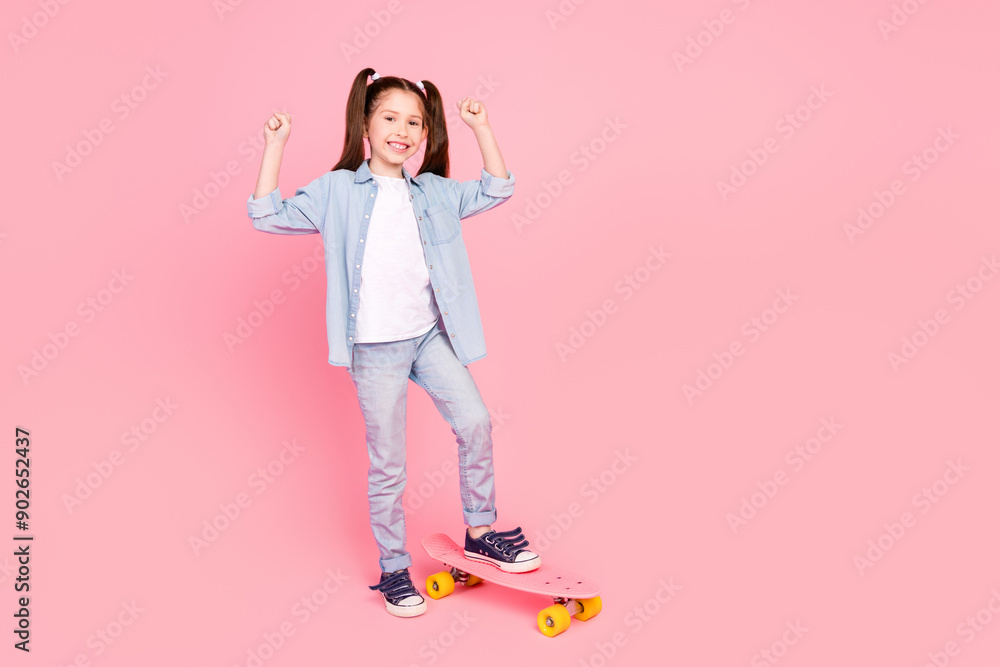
277 128
473 113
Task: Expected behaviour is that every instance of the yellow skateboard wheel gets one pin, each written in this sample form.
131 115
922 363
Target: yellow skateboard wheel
591 608
473 580
439 585
553 620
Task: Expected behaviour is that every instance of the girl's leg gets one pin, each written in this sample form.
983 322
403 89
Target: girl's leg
437 369
380 377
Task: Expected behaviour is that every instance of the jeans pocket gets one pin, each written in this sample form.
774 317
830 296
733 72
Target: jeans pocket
443 223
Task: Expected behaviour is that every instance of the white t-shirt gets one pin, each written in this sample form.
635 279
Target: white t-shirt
396 300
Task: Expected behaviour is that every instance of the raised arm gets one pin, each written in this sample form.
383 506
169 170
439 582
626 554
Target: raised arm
473 113
276 131
301 214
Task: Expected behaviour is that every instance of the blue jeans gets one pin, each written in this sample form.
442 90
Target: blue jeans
380 375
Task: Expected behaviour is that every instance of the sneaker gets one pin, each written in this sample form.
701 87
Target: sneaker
401 598
504 550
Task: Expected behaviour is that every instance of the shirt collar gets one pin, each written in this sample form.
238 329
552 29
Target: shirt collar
365 174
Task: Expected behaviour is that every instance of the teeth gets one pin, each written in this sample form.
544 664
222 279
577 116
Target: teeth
398 146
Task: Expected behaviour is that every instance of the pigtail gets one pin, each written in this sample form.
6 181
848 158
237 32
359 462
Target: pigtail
354 127
436 151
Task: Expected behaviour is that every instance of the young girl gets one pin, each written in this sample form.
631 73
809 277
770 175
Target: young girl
400 300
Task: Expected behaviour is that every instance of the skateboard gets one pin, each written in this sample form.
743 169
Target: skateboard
571 594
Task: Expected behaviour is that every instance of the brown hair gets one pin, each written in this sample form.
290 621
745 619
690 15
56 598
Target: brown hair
361 104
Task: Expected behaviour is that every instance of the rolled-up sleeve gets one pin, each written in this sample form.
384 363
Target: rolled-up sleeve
472 197
303 213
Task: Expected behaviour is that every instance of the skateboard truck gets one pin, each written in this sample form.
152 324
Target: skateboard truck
458 577
572 606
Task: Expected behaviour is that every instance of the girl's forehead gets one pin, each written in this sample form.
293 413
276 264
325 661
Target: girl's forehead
400 102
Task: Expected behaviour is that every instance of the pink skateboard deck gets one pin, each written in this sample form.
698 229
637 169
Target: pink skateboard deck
572 594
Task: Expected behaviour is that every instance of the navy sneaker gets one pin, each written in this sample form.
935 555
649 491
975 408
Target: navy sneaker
401 598
504 550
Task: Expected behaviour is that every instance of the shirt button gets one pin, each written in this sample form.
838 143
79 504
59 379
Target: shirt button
357 266
362 240
446 312
350 338
432 266
420 217
355 290
352 314
453 335
436 289
366 217
373 194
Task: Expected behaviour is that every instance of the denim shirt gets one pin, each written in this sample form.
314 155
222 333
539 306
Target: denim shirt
339 204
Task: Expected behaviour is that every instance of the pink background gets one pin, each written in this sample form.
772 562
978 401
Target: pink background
559 423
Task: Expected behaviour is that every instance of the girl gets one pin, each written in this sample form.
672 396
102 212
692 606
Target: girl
400 300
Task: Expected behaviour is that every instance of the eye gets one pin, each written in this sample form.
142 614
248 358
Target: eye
388 117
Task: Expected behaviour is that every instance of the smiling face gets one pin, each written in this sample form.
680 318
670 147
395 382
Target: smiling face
395 132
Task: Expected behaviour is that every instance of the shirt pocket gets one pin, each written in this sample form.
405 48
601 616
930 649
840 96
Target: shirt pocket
443 223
